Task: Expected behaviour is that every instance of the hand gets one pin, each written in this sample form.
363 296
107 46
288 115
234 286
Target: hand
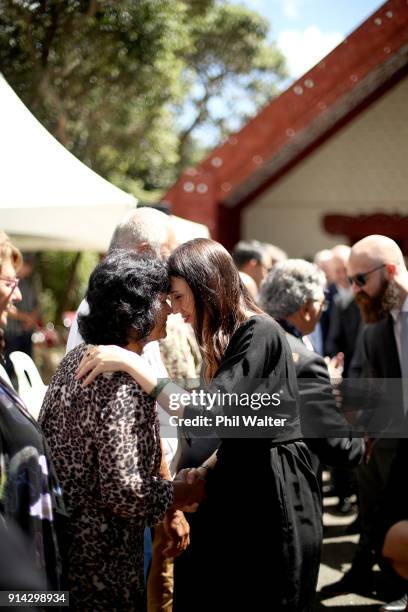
335 365
189 476
178 531
187 496
99 359
369 445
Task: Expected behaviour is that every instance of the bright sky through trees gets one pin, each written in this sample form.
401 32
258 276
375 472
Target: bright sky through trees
306 30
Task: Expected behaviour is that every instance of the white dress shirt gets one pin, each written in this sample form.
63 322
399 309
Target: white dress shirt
400 328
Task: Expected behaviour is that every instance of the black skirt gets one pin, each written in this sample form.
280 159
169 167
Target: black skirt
256 539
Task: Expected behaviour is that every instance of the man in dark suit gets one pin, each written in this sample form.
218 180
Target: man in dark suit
379 279
293 293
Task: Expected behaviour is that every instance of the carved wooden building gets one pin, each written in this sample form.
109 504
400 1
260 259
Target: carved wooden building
326 161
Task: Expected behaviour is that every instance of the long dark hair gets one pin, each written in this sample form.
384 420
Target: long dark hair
221 299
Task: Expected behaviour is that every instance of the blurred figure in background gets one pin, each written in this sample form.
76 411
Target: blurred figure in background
250 257
23 318
274 254
180 353
324 260
250 284
345 319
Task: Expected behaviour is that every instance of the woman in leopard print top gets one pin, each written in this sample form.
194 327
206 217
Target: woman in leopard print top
105 439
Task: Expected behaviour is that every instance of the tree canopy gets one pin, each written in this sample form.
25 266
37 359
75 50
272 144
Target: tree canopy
126 85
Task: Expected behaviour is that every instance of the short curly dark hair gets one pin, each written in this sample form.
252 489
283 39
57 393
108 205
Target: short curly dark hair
123 298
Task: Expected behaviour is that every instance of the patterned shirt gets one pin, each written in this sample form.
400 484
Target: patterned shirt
30 496
106 448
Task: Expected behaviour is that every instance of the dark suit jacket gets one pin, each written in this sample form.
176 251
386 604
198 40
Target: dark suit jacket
327 432
380 353
343 331
381 386
330 294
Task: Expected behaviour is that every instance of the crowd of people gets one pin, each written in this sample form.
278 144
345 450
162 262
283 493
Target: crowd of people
132 495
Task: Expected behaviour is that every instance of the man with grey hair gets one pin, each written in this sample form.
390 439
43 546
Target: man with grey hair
297 286
142 230
293 293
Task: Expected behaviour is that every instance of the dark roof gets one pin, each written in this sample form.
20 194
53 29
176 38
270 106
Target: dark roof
367 63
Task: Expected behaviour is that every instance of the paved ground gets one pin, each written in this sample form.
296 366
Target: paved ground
338 550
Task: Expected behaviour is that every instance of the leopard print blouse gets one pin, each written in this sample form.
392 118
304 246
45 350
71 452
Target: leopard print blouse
105 444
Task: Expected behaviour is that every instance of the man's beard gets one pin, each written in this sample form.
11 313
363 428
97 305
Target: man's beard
376 308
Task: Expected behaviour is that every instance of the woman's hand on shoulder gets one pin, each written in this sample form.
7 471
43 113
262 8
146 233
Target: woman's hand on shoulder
109 358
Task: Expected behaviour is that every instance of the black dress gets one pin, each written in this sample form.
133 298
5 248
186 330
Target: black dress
30 497
255 540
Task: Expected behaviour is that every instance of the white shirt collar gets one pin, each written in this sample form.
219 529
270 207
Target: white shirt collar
395 312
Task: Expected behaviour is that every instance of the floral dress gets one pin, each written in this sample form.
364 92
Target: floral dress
106 448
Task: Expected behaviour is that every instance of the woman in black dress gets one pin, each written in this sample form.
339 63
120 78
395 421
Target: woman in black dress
30 498
255 540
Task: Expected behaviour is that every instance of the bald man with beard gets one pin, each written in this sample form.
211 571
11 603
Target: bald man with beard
379 279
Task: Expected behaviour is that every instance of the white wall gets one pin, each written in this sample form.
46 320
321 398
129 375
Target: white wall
362 169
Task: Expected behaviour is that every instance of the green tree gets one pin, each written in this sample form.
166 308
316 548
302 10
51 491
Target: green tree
231 70
54 269
126 85
99 76
111 79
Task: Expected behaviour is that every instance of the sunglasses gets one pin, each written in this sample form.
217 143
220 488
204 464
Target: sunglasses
11 283
361 279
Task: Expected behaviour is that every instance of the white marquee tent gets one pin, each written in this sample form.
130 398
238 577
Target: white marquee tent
51 200
48 198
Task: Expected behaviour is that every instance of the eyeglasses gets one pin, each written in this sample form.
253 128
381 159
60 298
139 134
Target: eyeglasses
11 283
361 279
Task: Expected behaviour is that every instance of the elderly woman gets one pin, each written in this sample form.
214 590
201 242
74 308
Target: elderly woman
29 496
293 294
105 439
